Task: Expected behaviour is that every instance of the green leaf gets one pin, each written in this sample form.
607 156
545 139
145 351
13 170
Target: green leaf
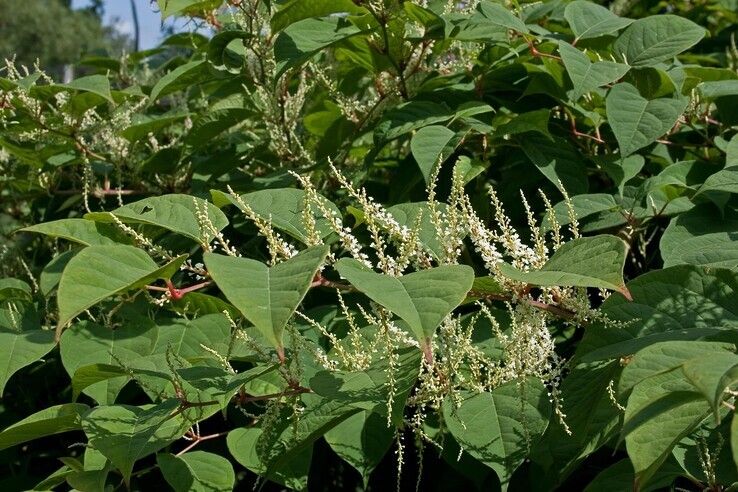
242 444
638 122
558 160
361 440
498 427
302 40
218 53
88 344
586 75
661 411
370 389
409 116
197 471
701 237
99 272
589 20
297 10
82 231
428 146
677 303
178 7
176 213
12 289
711 375
423 299
501 16
283 207
657 38
96 84
22 342
125 434
178 79
47 422
406 215
596 261
725 180
266 297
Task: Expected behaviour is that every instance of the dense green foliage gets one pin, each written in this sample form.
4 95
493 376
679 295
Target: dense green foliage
344 244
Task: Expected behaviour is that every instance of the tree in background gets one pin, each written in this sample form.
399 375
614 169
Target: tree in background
52 32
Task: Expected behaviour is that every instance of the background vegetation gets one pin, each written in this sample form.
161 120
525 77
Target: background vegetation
366 244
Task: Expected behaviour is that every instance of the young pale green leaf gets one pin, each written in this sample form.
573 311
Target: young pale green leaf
596 261
22 341
266 297
302 40
197 471
589 20
82 231
657 38
89 345
99 272
677 303
176 213
423 299
169 8
297 10
429 147
283 207
586 75
661 411
703 237
638 122
293 473
361 440
497 427
47 422
712 374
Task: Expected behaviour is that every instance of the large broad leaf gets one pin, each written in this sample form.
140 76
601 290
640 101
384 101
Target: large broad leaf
638 122
87 343
428 146
303 39
22 342
82 231
197 471
47 422
423 299
95 84
177 213
558 160
361 440
657 38
501 16
266 297
677 303
712 374
370 389
661 411
284 208
586 75
187 337
701 237
99 272
180 78
498 427
193 7
589 20
124 433
242 444
297 10
585 262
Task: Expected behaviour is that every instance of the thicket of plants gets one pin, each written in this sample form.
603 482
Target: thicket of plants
375 243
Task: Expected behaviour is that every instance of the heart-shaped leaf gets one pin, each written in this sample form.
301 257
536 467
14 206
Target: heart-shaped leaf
197 471
266 297
638 122
53 420
428 146
586 75
99 272
423 299
657 38
585 262
589 20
